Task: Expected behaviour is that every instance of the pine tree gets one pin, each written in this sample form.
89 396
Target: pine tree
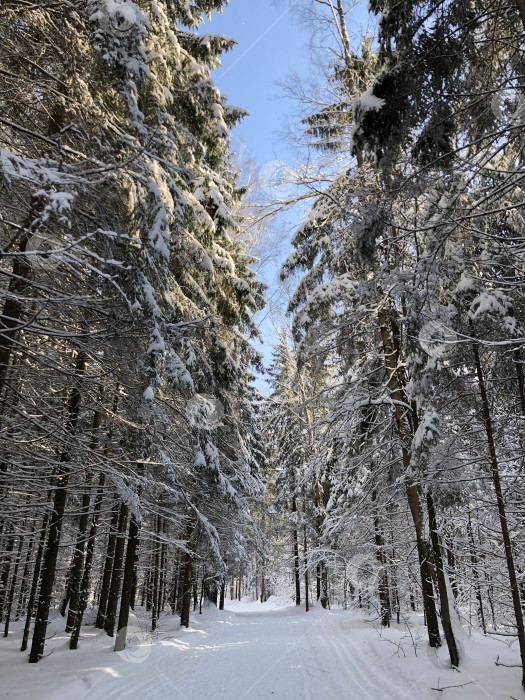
122 255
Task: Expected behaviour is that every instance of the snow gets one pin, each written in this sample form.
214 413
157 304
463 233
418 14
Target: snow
428 429
14 167
486 302
465 283
369 101
258 651
149 394
199 460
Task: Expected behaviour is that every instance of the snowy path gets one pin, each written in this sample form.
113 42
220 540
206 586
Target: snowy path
284 653
252 652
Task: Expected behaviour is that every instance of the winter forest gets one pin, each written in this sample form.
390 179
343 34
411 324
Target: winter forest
312 487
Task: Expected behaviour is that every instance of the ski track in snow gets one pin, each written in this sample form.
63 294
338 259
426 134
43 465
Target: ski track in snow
282 654
252 651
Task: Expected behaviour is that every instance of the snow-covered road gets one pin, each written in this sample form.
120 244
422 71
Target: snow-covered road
281 654
256 652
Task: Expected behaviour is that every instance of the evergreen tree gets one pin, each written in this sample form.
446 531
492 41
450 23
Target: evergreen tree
128 297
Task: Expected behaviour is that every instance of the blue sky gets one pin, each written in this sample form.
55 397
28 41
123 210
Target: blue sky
271 45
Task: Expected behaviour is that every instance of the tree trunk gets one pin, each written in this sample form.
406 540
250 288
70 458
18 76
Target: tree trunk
36 576
77 565
163 574
475 573
518 362
263 589
296 562
55 529
11 316
25 576
156 567
84 586
49 568
306 583
507 543
186 589
451 561
446 603
147 585
384 594
195 589
108 566
4 578
400 407
135 582
127 584
174 584
75 576
13 587
325 600
117 573
343 35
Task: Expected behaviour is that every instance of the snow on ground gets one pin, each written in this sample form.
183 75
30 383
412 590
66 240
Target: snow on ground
259 651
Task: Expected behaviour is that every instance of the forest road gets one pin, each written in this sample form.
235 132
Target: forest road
251 654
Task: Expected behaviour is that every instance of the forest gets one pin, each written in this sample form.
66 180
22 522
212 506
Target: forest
152 461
